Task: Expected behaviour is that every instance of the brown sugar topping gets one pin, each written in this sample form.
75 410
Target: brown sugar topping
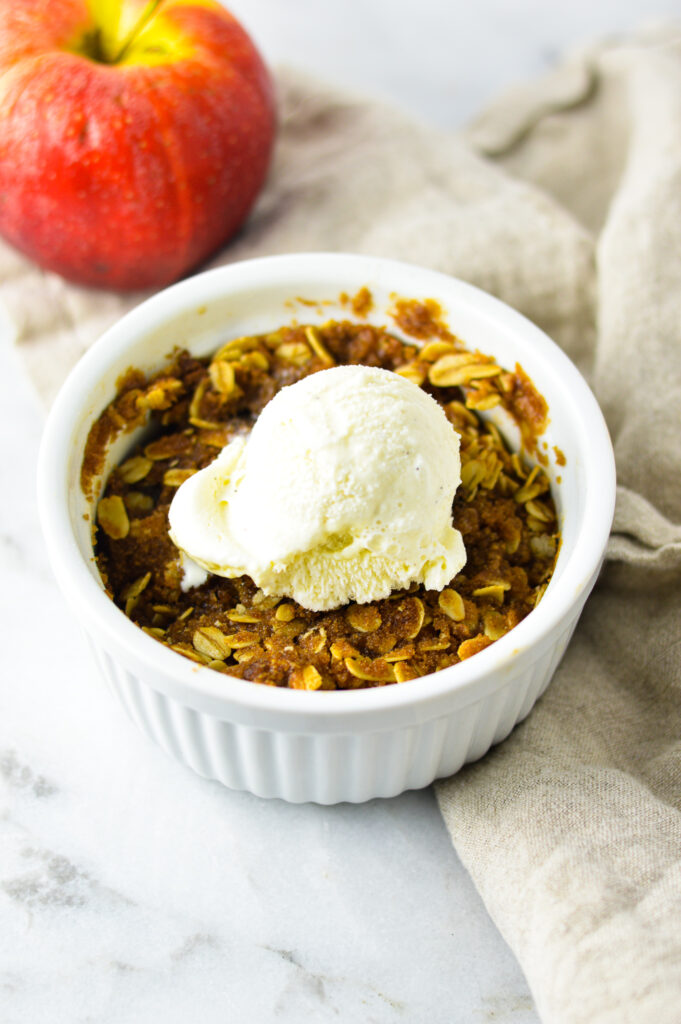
503 509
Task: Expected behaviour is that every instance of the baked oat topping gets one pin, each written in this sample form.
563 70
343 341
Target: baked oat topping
503 509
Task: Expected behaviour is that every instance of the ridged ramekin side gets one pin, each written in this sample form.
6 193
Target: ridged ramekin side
329 768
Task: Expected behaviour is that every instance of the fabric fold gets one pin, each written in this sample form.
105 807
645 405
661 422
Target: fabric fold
582 875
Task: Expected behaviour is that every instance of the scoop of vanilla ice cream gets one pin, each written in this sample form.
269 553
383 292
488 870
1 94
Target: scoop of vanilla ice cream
342 492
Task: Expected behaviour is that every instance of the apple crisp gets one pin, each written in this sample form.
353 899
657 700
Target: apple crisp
503 509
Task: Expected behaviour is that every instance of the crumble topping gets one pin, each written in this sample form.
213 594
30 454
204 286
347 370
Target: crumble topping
503 509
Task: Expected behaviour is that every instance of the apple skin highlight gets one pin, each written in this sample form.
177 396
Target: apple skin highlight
134 137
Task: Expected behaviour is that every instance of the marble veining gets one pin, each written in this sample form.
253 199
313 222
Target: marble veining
21 776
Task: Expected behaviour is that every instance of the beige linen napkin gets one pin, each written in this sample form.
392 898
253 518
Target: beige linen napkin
564 199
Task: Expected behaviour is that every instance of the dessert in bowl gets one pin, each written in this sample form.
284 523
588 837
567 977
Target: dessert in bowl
308 736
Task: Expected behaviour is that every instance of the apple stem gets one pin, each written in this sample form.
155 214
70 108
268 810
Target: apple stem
142 22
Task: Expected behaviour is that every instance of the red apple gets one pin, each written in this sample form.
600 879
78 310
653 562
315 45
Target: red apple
134 135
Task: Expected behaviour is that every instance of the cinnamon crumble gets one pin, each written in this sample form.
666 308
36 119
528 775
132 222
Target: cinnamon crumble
503 509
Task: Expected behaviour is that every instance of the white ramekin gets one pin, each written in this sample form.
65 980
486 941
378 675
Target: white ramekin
326 746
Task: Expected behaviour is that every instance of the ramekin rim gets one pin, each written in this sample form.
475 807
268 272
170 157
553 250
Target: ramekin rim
76 579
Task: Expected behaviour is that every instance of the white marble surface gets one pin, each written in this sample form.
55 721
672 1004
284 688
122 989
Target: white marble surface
131 890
